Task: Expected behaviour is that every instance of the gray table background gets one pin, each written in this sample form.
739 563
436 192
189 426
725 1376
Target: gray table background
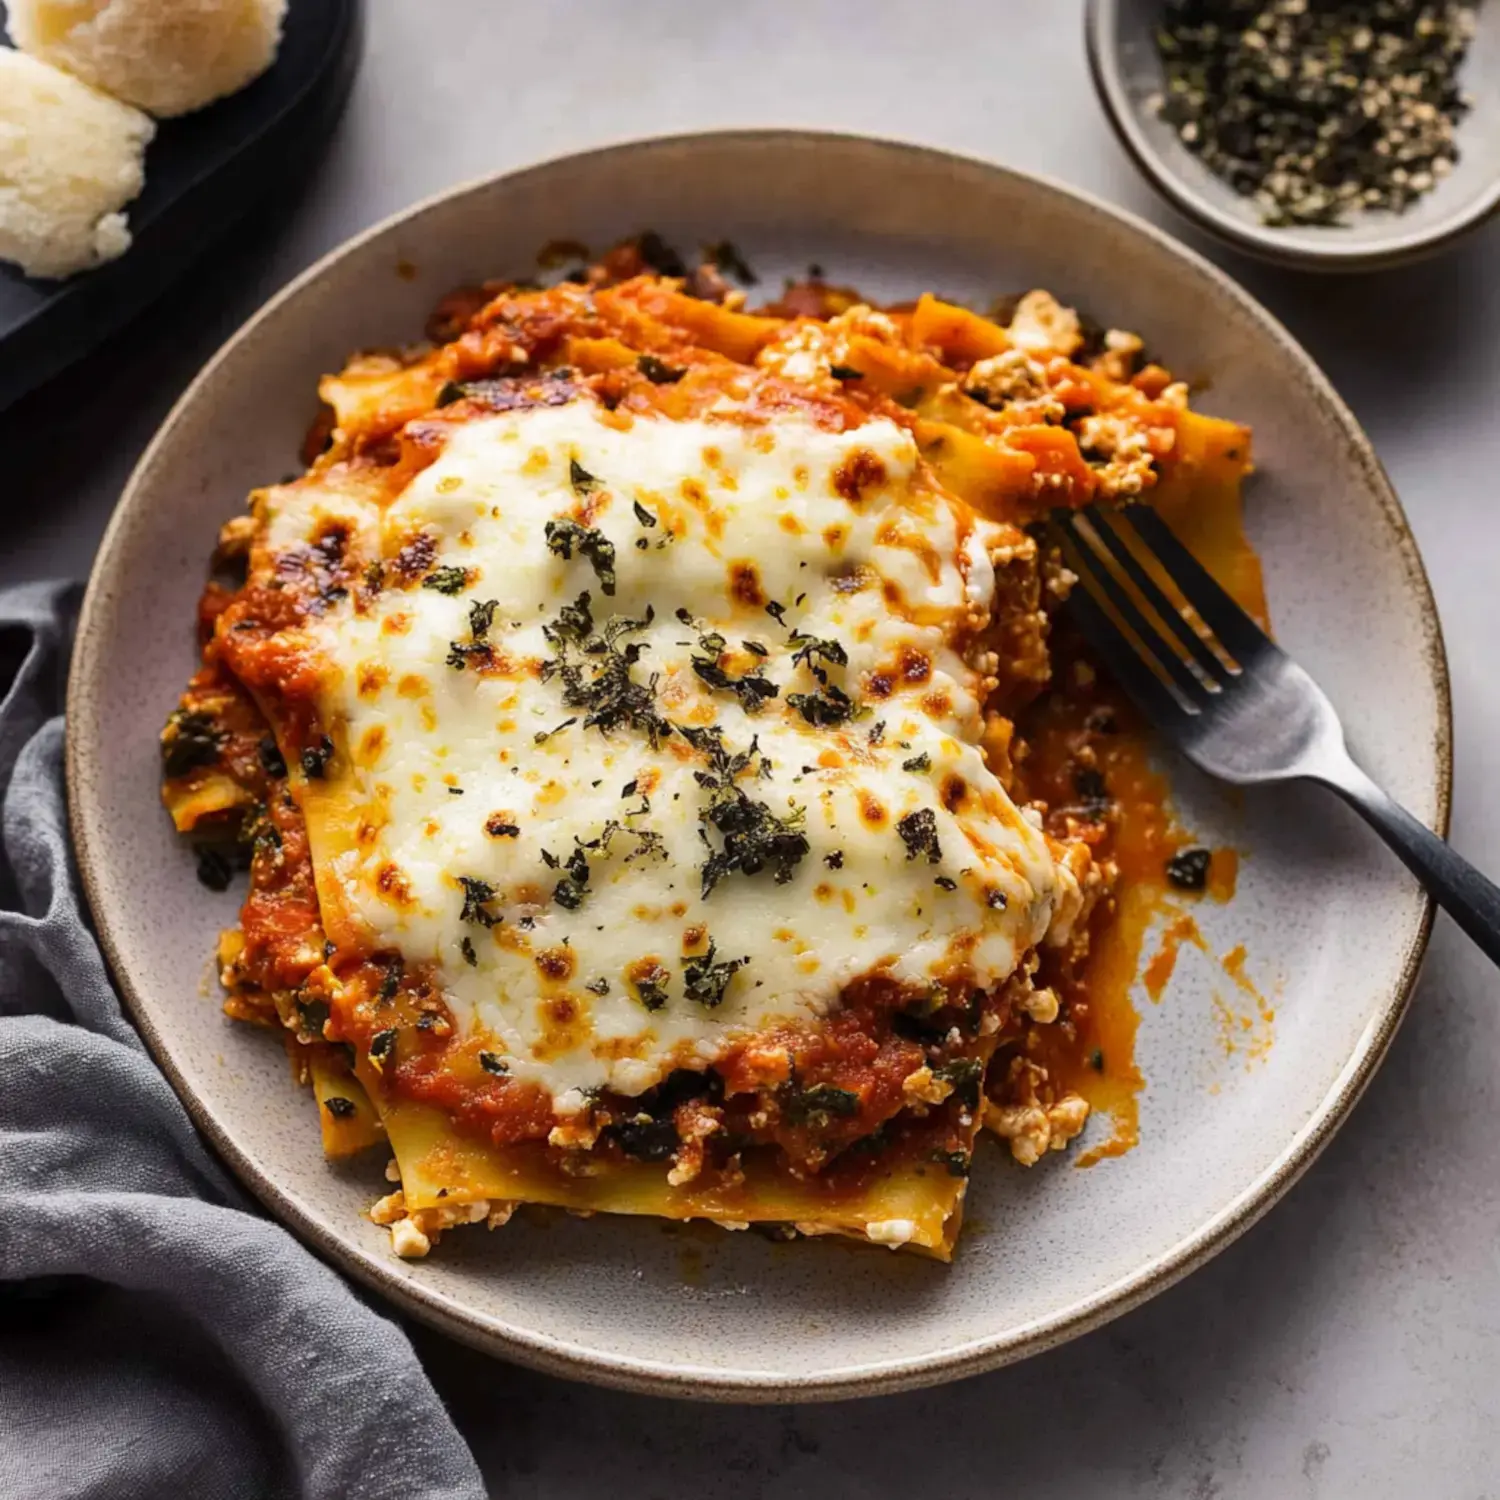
1350 1343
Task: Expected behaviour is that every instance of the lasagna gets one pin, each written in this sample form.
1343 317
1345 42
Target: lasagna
619 721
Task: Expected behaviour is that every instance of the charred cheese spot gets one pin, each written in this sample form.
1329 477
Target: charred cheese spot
862 470
373 676
744 585
556 964
372 744
393 884
913 666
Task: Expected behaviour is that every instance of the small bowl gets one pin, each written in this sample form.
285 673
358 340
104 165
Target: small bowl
1128 72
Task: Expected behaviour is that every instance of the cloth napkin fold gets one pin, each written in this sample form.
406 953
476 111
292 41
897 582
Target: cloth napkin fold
158 1336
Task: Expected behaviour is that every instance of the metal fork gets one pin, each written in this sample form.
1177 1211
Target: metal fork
1228 697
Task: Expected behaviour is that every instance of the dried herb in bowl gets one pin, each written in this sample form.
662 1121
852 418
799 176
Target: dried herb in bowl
1316 109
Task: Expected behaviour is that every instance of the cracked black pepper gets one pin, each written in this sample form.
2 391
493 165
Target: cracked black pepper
1317 109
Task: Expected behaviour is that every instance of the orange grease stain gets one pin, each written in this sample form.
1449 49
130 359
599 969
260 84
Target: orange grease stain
1159 970
1092 1050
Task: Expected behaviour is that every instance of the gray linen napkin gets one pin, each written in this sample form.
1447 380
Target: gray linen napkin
158 1337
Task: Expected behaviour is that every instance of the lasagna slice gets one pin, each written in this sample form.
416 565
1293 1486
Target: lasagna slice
612 715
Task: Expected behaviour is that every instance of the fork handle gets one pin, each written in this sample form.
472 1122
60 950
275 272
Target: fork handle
1467 896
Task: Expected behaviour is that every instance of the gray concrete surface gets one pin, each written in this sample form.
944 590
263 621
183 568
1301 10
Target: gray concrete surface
1350 1344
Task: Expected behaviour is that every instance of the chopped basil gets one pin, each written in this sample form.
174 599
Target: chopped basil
580 478
446 580
922 762
651 990
492 1062
829 706
964 1073
845 372
543 735
339 1107
596 548
383 1045
610 694
818 1105
918 832
705 981
191 740
752 689
643 515
1188 868
466 947
810 648
752 837
644 1138
481 617
477 896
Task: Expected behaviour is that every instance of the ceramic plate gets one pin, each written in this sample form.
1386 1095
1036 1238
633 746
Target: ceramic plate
1332 927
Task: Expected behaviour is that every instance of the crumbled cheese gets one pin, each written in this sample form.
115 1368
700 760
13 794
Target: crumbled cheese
165 56
924 1087
1042 325
1041 1005
408 1241
892 1232
70 160
388 1209
1017 381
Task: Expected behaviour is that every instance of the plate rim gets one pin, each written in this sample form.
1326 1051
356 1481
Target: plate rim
561 1357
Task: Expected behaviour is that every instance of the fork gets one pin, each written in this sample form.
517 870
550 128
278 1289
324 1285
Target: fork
1230 699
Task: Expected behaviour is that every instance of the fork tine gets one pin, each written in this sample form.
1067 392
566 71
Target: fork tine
1162 689
1235 629
1149 637
1170 616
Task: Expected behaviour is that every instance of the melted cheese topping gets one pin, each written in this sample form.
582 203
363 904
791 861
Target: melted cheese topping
843 532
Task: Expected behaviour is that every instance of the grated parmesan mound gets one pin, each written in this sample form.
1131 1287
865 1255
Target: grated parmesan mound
70 160
165 56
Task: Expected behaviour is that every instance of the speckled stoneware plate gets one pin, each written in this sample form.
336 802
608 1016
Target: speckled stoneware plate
1333 928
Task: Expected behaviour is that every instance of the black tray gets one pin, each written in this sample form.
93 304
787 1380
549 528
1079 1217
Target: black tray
203 172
